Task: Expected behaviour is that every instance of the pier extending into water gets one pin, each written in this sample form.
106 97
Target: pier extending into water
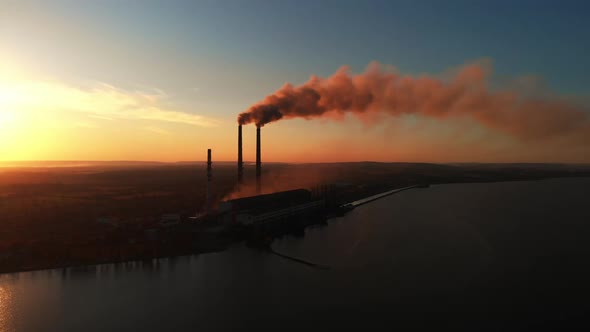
370 199
346 207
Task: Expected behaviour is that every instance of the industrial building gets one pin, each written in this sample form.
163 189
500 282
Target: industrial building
260 209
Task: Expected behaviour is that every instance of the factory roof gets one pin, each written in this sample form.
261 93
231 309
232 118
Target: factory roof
271 201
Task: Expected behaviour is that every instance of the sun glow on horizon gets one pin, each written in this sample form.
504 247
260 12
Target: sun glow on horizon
44 119
47 119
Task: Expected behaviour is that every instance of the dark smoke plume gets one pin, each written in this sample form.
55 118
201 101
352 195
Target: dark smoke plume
383 91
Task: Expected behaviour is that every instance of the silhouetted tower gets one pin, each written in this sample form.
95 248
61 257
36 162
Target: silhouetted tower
209 178
258 162
240 160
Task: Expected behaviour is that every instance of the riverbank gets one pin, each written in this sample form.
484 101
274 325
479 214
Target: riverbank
136 244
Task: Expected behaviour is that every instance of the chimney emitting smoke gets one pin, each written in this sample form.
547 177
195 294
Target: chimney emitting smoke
466 93
209 176
258 161
240 160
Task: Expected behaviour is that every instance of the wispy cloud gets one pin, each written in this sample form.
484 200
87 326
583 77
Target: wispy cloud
157 130
101 117
103 101
84 124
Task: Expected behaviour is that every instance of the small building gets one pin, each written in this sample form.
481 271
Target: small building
170 219
107 221
151 234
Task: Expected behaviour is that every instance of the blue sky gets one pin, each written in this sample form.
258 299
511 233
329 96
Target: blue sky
293 39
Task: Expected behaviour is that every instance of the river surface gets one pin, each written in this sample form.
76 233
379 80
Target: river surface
493 256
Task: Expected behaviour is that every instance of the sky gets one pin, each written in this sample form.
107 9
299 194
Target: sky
165 80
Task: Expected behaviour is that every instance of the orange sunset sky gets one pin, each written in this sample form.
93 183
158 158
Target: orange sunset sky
131 82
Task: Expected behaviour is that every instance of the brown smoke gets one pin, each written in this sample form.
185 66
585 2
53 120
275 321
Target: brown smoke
383 91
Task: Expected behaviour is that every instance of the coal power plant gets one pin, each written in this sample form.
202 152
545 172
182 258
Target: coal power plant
265 215
240 159
258 162
209 197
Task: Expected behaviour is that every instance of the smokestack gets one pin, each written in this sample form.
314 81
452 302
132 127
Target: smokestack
240 161
209 175
258 161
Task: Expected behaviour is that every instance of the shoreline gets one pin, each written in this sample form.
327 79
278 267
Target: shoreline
221 242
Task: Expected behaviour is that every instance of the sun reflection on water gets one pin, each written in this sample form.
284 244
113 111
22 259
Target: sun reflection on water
6 309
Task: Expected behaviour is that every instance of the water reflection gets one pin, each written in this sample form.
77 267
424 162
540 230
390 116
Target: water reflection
28 300
6 308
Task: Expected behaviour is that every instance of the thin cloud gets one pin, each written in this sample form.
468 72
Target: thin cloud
83 124
101 117
103 101
157 130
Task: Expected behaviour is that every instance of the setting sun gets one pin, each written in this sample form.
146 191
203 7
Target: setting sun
6 119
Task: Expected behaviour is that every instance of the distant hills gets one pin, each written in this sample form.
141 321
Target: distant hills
133 163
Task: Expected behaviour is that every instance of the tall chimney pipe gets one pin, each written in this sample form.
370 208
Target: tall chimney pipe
258 161
240 160
209 176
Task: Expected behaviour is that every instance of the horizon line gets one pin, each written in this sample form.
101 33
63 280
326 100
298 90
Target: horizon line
285 162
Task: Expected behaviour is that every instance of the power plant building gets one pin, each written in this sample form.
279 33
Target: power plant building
270 207
261 210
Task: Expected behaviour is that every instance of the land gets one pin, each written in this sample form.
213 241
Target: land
76 213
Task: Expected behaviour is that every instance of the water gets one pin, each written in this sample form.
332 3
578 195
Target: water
498 256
